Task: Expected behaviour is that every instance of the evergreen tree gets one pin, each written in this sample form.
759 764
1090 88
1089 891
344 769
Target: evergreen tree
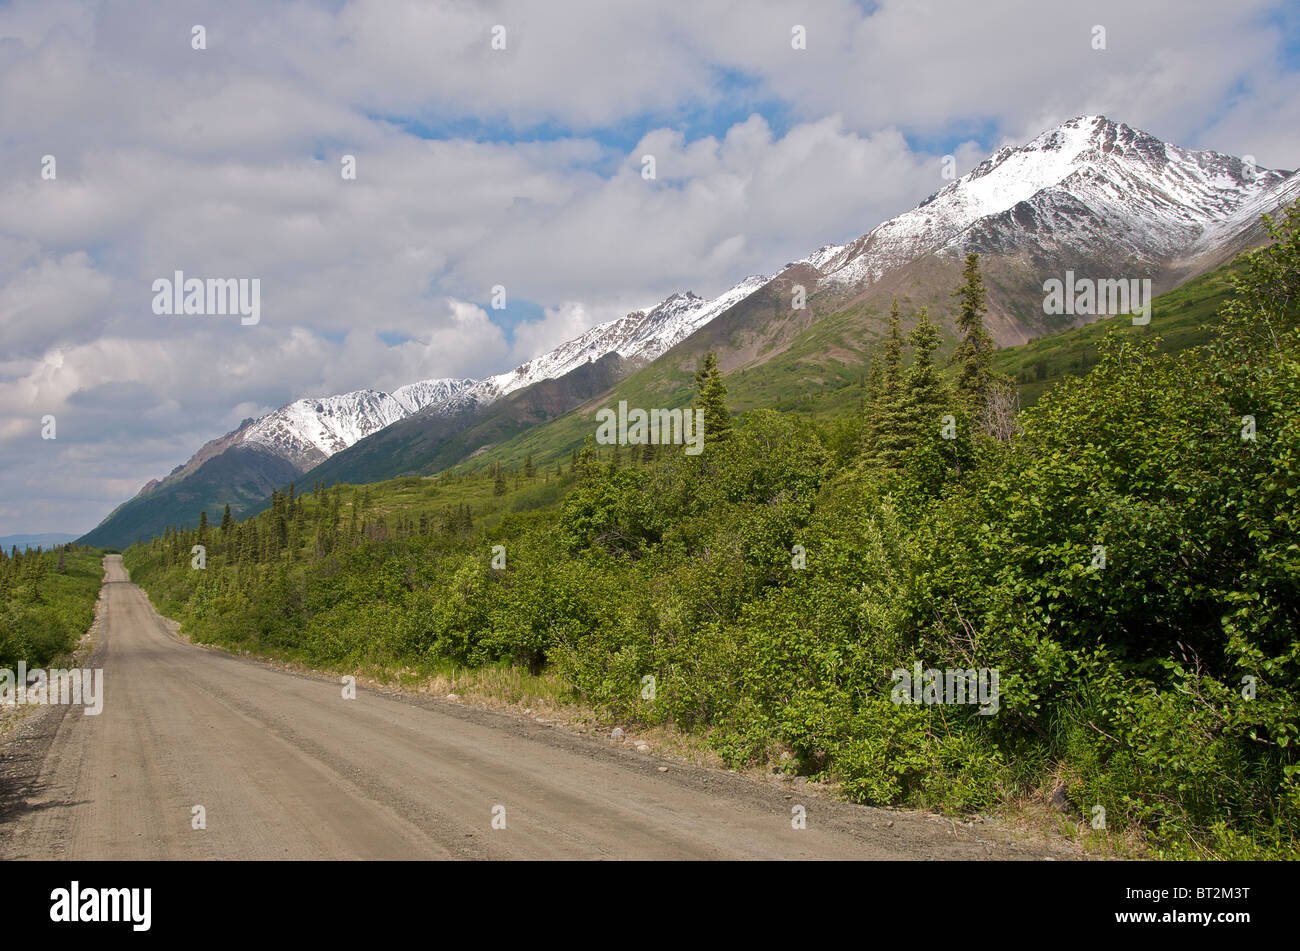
914 411
499 483
712 399
869 403
884 390
585 465
35 569
925 391
530 471
975 349
893 353
226 521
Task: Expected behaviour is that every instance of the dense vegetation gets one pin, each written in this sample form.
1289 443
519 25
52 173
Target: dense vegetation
1125 553
47 601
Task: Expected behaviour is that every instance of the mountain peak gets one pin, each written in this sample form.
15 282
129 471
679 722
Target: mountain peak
1134 190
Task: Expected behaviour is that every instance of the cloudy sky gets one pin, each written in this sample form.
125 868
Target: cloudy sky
477 167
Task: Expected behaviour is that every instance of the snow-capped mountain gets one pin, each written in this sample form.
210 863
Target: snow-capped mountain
307 431
1092 195
1091 182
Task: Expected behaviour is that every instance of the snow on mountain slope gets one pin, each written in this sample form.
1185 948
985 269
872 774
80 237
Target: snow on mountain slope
641 335
663 332
1088 180
416 396
1248 213
308 431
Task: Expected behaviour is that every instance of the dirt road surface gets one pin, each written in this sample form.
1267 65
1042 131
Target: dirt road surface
285 767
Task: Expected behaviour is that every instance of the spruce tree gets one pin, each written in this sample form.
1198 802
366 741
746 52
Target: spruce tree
712 399
893 352
914 412
888 428
924 389
975 349
872 386
883 391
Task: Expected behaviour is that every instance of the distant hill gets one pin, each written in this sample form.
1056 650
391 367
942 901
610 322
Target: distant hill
241 477
46 540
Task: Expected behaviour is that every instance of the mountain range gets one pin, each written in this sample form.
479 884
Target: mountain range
1092 196
242 467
